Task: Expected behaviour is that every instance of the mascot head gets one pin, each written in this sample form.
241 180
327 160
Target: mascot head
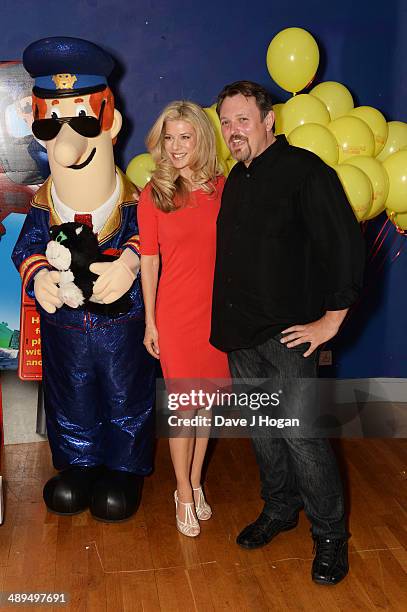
74 116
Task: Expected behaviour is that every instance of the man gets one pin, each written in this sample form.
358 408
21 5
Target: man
277 299
98 379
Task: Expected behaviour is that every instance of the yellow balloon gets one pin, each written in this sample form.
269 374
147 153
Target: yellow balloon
318 139
336 97
277 110
396 139
396 168
379 179
353 136
222 150
230 163
140 169
303 109
377 123
358 189
292 59
223 166
399 220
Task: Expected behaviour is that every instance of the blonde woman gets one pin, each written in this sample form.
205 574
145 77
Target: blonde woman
177 215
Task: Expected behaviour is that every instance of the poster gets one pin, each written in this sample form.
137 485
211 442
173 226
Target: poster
23 167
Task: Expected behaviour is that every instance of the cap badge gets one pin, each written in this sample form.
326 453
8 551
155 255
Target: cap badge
64 81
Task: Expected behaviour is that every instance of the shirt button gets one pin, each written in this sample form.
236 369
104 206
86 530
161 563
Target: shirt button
230 304
248 175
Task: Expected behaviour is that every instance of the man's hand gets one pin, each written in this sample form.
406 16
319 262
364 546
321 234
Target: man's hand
46 290
316 333
115 277
151 340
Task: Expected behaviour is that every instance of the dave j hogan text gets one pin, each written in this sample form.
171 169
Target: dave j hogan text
256 420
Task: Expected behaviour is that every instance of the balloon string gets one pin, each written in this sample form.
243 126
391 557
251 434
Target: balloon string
368 286
403 244
379 234
380 245
387 255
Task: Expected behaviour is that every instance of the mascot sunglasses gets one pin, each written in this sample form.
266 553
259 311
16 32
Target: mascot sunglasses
48 129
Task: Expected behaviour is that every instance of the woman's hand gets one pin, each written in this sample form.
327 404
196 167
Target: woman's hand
151 340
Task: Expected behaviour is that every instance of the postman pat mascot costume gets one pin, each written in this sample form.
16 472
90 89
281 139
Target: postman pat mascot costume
98 378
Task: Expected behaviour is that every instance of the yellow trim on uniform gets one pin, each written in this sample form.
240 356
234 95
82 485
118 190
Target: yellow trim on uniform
30 262
133 241
42 199
126 198
31 272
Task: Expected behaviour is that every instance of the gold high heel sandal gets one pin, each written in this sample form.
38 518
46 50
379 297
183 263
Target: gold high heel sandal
190 526
202 508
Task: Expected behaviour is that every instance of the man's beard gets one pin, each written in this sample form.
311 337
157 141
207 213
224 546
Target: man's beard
244 153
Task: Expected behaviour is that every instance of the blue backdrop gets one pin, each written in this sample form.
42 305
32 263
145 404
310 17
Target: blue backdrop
170 50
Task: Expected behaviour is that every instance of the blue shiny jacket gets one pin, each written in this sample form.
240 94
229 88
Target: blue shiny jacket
119 232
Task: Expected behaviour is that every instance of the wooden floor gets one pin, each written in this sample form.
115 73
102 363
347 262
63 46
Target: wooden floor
144 564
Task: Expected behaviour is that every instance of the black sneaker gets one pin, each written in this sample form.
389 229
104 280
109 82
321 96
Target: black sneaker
330 564
263 530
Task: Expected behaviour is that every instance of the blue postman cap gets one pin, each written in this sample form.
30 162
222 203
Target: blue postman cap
63 66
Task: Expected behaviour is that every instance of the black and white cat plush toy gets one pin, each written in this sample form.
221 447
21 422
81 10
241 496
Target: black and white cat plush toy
72 249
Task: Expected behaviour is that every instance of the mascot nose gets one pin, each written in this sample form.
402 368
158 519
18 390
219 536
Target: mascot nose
69 146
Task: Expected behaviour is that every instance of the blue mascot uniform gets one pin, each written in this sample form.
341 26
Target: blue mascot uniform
98 378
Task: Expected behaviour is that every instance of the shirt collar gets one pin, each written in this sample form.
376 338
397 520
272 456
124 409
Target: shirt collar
42 199
99 216
268 154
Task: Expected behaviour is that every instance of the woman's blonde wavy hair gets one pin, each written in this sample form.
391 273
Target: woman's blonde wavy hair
166 182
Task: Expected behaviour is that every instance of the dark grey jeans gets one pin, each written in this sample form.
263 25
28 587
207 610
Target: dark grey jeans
295 473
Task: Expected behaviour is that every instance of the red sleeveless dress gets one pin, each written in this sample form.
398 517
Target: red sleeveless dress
186 241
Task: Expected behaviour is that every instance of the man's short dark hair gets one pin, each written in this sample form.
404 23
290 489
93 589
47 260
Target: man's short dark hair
248 89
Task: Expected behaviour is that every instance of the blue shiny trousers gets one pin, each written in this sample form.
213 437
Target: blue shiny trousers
99 391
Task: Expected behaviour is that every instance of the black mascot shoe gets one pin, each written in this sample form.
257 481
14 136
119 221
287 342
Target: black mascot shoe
263 530
116 496
68 491
330 564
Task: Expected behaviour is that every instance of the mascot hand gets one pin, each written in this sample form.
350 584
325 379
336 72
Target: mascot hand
46 290
116 277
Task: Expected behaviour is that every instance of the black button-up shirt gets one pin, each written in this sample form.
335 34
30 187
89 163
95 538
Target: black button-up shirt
289 247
